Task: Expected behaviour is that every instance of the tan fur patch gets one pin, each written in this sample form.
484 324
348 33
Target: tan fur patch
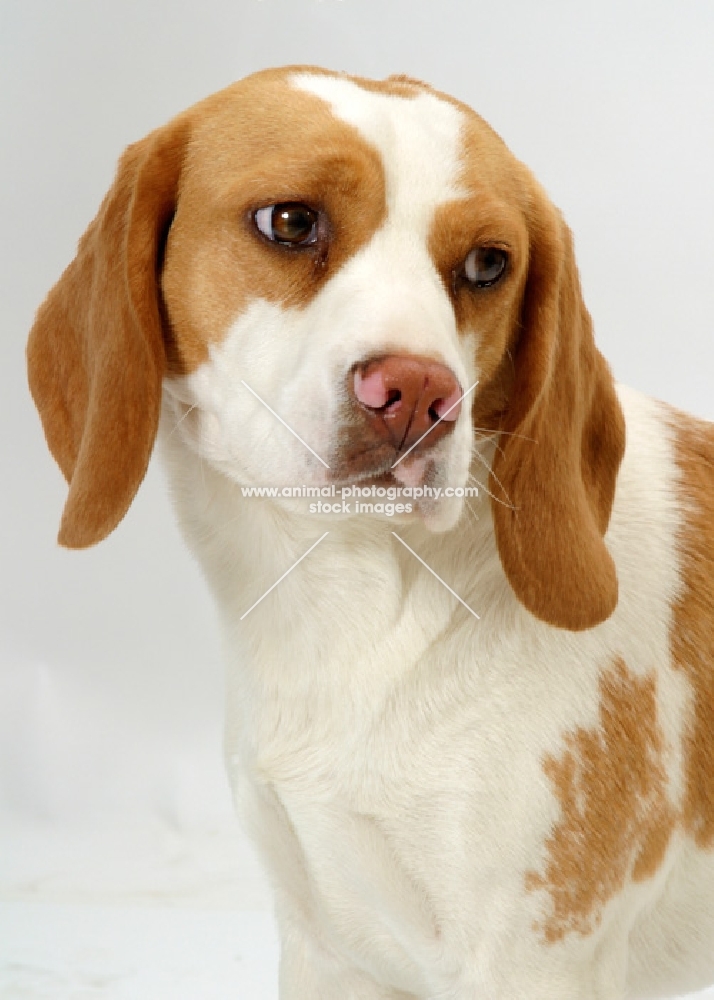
692 639
616 819
492 214
259 143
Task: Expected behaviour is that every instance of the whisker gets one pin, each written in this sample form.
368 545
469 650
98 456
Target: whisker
485 488
486 439
497 431
203 474
510 358
181 419
505 491
473 513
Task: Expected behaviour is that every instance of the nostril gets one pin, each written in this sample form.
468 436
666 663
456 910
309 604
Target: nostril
393 396
448 407
405 397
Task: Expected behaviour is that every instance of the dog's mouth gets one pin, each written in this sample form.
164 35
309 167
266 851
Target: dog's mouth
410 473
356 461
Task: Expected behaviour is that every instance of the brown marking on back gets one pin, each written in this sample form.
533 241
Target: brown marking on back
616 819
692 634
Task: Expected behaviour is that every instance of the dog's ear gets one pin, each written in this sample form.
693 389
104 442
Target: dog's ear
96 352
555 470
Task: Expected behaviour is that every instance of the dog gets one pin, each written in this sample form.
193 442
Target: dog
465 581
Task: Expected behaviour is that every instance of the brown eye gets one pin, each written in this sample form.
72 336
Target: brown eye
290 223
484 266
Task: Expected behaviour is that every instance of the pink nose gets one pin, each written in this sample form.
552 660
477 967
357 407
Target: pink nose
405 396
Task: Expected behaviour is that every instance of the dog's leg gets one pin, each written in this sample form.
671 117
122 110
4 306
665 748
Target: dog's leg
309 968
309 972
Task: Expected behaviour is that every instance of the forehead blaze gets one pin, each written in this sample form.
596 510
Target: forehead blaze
452 185
417 137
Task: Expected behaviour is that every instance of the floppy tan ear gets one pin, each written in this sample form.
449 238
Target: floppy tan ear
96 354
557 467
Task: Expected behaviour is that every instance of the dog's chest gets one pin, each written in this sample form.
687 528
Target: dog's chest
400 800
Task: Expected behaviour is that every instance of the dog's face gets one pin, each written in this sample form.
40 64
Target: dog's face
369 264
354 257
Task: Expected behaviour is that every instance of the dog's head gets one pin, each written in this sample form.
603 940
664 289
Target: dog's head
368 263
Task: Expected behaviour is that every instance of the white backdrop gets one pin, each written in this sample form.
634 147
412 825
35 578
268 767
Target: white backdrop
112 790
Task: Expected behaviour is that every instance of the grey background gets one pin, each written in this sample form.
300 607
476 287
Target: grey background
110 680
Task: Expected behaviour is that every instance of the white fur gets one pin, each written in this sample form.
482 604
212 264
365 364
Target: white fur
384 746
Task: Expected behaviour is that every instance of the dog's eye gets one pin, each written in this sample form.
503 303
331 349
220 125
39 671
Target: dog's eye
290 223
485 266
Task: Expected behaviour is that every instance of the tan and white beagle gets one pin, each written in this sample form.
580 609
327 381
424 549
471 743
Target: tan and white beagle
312 283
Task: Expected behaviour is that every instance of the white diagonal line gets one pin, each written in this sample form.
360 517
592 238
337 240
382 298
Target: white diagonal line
442 417
283 576
278 417
426 566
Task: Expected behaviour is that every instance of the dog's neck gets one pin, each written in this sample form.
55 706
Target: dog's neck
359 589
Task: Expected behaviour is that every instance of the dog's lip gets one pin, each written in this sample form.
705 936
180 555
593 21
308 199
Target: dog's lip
379 461
368 479
412 471
385 479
